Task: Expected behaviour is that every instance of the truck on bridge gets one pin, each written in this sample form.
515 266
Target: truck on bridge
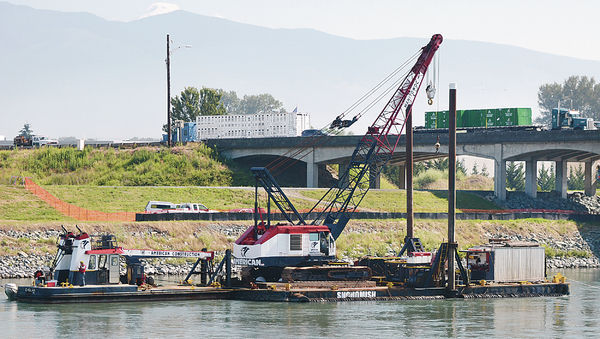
571 119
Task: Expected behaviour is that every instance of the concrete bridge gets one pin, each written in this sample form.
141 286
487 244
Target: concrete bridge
530 146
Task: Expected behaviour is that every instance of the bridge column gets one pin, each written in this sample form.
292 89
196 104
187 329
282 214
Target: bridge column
312 173
531 178
402 177
500 179
589 185
375 180
560 185
342 166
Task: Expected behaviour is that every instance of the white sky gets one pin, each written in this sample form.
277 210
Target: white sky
567 28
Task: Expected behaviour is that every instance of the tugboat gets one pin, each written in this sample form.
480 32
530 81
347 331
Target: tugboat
85 270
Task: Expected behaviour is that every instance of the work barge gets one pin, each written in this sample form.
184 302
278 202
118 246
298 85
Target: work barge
294 260
217 282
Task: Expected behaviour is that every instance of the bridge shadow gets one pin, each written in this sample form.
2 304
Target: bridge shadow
590 233
468 199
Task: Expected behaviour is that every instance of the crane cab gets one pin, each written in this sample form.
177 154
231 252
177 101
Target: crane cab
284 245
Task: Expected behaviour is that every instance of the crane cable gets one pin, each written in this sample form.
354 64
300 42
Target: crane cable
379 85
293 155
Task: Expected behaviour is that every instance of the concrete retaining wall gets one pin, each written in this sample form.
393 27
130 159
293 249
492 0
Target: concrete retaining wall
231 216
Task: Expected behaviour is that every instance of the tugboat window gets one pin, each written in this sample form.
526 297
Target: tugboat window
102 261
92 264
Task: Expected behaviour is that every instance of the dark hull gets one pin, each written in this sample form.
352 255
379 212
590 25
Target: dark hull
278 294
116 293
400 293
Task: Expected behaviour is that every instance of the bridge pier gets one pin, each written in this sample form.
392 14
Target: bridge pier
375 180
312 171
342 166
499 172
560 170
402 177
589 185
531 177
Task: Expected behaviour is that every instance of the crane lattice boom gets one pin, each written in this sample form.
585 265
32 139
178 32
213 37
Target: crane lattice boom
375 148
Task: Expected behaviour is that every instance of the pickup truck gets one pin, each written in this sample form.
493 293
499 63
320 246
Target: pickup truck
39 140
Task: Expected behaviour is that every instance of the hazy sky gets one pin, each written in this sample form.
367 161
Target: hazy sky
560 27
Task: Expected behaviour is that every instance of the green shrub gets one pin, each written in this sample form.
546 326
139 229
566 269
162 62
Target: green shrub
428 177
190 165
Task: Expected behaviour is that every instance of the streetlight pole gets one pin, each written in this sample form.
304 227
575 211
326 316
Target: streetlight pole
168 94
168 61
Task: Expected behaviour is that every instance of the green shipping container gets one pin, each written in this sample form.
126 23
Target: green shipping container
474 118
523 116
460 116
515 116
442 119
430 119
489 117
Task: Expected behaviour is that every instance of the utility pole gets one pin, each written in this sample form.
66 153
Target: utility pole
452 246
409 178
168 93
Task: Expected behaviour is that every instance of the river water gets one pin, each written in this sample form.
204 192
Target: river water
577 315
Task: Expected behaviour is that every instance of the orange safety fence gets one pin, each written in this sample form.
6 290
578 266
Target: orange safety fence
76 212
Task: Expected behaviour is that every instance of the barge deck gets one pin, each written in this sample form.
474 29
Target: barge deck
279 292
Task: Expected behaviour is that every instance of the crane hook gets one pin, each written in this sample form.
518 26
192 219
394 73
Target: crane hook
430 90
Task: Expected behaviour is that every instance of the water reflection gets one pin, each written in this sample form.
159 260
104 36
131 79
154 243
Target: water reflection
574 316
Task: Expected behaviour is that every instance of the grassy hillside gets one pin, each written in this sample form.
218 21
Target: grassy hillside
395 200
16 203
134 199
195 165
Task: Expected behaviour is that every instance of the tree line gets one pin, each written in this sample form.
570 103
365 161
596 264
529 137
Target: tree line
515 174
194 102
546 178
580 93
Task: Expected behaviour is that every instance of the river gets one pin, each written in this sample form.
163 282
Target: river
577 315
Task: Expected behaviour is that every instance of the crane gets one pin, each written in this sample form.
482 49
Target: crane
267 249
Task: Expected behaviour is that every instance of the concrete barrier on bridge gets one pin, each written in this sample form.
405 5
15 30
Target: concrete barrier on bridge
235 216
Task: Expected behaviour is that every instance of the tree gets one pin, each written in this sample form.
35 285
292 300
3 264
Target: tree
484 171
475 170
576 179
210 102
419 167
515 176
249 104
26 131
439 164
460 167
230 101
193 102
577 92
546 179
261 103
